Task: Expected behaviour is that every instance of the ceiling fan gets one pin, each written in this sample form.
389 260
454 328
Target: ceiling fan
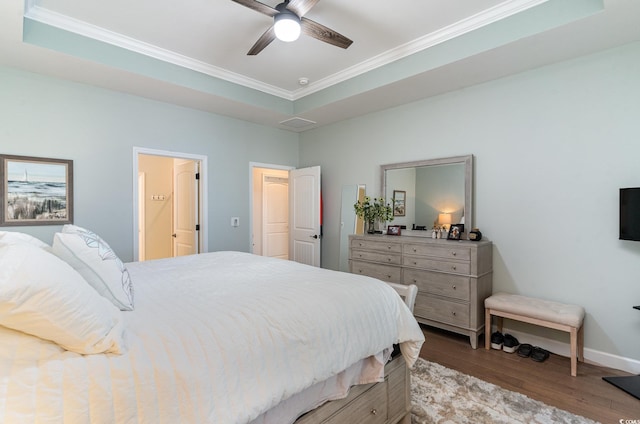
289 21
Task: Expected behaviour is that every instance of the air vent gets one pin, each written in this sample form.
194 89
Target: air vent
297 122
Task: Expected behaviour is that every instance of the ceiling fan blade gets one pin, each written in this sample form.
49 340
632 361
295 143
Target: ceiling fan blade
264 40
258 7
322 33
301 7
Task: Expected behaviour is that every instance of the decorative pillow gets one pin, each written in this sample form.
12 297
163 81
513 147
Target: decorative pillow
43 296
92 257
14 237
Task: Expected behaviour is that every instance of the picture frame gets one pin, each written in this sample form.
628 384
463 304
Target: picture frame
35 191
399 203
394 230
455 231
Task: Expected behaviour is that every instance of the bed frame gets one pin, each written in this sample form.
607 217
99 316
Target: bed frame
387 402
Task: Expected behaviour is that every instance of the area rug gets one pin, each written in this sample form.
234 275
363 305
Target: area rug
442 395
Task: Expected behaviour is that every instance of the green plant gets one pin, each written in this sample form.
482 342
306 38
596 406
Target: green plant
370 211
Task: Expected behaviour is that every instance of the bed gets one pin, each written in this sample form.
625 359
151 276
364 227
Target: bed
222 337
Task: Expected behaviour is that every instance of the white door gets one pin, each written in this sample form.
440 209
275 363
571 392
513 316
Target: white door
304 215
275 209
185 207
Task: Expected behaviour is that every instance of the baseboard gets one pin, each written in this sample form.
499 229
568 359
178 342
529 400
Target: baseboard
590 355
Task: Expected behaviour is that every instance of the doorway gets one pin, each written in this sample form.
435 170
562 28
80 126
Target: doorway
286 212
169 204
270 211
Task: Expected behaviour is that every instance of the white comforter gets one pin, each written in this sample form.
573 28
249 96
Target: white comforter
214 338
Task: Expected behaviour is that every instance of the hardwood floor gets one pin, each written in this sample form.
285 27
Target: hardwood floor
550 381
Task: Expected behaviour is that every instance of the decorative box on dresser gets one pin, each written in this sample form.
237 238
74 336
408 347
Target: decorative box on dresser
453 276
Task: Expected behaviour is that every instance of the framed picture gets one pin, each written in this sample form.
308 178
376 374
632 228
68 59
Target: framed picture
455 231
394 230
399 202
35 191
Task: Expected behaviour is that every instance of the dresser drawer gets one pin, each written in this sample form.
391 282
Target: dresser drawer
441 310
444 252
380 257
377 245
457 267
447 285
382 272
370 408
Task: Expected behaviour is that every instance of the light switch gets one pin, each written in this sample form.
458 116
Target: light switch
235 221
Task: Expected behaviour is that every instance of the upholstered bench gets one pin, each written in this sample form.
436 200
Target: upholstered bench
546 313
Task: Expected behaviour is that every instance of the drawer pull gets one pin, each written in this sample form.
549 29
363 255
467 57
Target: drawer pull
415 281
453 253
389 247
453 313
415 263
374 411
453 267
415 250
454 287
389 259
389 277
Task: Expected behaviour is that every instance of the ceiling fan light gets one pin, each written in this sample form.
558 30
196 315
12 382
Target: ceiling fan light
287 26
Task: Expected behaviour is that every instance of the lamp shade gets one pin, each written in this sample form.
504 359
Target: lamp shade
444 219
286 26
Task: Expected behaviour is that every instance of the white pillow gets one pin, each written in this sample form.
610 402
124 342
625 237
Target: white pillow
14 237
43 296
92 257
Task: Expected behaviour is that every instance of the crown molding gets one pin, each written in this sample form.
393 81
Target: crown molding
484 18
479 20
76 26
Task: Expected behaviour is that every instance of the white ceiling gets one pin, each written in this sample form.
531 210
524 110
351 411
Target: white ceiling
193 52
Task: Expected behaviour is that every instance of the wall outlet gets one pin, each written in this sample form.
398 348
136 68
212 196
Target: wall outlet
235 221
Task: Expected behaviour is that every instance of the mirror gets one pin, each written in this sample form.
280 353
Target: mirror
349 223
430 192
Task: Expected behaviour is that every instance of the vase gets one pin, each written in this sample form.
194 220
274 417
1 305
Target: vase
376 226
369 227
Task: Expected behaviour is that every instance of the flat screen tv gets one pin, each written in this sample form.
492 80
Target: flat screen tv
630 214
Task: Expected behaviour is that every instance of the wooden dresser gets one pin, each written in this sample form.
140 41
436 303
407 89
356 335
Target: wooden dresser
453 277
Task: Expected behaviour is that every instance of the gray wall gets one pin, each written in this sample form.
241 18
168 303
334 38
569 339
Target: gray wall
552 147
98 129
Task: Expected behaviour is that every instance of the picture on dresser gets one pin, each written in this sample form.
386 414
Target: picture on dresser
399 202
394 230
455 231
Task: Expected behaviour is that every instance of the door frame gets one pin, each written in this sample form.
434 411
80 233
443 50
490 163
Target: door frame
203 204
252 166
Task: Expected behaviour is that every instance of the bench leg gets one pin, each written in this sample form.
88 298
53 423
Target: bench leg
581 344
574 351
487 328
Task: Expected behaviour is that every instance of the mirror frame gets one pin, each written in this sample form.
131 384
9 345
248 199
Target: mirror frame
467 160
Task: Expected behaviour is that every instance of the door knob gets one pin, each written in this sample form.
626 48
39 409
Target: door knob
315 236
174 235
